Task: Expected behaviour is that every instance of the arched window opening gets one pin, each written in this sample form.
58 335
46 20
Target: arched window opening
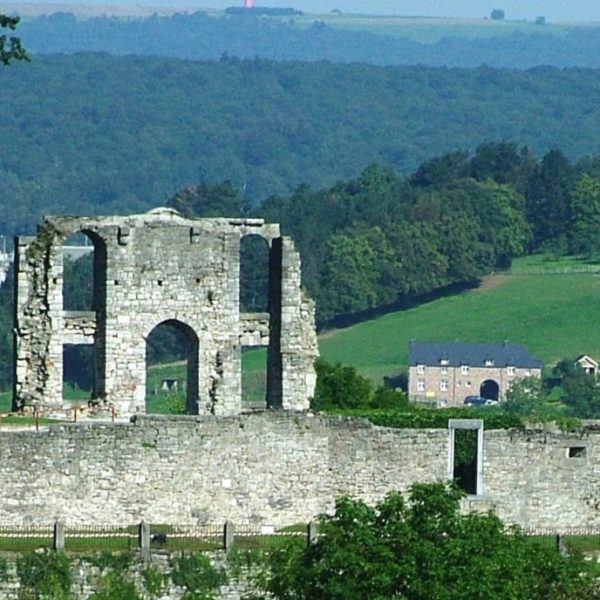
172 369
254 274
84 286
254 378
78 372
489 389
78 273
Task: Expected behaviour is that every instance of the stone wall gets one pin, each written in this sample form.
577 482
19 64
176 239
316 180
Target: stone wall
544 478
278 468
87 577
153 269
269 468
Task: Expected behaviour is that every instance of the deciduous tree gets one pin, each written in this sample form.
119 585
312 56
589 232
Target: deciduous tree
418 549
10 47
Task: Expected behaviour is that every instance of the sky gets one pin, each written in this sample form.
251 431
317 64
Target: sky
553 10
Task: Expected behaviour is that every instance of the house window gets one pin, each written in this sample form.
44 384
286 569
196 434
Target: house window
421 385
444 361
464 369
444 385
510 371
420 369
489 363
468 384
444 370
528 373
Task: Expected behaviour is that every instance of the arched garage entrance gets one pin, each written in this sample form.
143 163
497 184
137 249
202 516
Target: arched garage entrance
489 389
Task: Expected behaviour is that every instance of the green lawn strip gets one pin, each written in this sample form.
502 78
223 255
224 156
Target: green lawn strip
28 544
542 263
254 375
17 420
5 402
111 544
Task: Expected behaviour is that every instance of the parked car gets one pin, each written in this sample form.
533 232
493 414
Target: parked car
479 401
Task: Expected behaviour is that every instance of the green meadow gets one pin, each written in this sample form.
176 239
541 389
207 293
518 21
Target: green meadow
555 314
428 30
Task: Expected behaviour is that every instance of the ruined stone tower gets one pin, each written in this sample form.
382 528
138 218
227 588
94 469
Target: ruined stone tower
157 268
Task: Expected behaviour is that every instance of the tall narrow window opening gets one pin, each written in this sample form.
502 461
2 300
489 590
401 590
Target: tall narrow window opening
78 372
465 454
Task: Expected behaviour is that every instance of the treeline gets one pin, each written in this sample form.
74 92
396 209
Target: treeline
247 34
96 134
381 239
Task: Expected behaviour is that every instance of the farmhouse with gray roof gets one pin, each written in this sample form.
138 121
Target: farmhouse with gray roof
446 373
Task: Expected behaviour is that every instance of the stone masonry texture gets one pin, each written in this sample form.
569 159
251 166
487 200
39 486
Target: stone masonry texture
158 268
279 468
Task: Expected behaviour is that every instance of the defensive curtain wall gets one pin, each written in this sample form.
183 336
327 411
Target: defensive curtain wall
276 467
280 468
159 268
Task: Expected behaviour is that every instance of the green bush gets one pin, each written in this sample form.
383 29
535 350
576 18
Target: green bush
115 586
339 386
154 581
385 397
197 575
44 574
432 418
177 404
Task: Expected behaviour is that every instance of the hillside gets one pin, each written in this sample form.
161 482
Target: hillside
100 134
554 315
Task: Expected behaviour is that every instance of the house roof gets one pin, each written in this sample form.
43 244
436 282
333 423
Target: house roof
474 355
584 358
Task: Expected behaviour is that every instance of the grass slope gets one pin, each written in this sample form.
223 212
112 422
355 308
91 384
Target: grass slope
554 315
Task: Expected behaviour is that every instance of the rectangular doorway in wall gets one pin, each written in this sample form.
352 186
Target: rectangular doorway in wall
254 377
465 454
78 371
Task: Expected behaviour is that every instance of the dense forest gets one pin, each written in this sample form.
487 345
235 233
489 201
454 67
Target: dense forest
383 240
200 36
97 134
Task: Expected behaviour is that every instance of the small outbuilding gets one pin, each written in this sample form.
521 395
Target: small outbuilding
588 364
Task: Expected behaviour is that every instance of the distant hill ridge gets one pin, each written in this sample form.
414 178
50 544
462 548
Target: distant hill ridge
379 41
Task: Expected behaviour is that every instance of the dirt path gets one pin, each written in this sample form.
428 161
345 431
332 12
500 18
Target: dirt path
492 281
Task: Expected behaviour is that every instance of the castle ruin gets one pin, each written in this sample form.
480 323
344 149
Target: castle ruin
157 268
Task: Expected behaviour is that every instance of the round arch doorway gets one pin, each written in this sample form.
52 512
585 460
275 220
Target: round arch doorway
172 368
489 389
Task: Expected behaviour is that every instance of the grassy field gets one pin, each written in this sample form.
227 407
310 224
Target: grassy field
429 30
554 315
